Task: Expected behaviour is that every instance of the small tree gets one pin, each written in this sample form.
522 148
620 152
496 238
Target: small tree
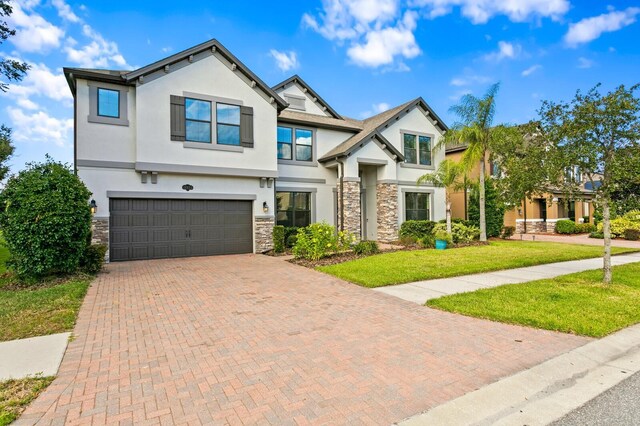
46 220
625 193
494 208
448 176
592 132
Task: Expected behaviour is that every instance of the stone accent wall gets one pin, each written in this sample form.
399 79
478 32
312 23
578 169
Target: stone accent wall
351 207
387 211
100 233
551 227
532 227
264 234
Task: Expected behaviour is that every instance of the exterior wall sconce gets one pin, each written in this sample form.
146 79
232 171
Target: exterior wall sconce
555 199
93 206
519 211
265 207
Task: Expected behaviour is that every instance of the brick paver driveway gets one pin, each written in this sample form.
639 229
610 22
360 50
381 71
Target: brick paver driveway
253 339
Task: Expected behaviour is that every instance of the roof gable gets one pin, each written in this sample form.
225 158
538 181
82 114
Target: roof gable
309 93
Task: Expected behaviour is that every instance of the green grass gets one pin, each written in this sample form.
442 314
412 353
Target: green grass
577 303
15 395
408 266
45 308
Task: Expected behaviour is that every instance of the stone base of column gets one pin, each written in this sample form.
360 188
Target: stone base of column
100 233
387 212
264 234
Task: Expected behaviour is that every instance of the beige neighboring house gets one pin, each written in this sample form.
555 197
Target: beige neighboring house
536 215
196 155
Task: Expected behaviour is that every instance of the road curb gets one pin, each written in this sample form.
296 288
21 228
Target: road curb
546 392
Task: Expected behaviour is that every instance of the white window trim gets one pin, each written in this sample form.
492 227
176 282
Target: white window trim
417 134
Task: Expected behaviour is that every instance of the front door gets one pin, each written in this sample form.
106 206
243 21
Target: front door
363 214
543 209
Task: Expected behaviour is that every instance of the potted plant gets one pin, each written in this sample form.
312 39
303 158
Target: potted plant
443 238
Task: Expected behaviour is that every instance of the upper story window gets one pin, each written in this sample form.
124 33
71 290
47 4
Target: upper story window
228 124
417 149
108 103
295 144
573 174
197 120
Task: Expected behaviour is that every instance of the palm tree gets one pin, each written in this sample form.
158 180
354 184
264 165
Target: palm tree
476 132
448 176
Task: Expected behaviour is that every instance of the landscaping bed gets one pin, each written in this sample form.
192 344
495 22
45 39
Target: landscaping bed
15 395
577 303
417 265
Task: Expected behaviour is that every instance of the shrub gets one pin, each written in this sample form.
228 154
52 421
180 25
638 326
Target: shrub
460 233
565 227
596 234
632 234
584 228
408 240
494 209
443 236
366 247
278 239
620 224
318 240
290 235
507 232
427 242
585 219
46 220
416 228
93 258
291 240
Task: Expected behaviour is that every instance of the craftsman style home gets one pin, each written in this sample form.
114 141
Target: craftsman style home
196 155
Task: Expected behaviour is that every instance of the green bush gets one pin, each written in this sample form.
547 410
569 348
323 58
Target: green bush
319 240
366 247
632 234
584 228
290 235
565 227
291 240
278 239
460 233
441 235
596 234
408 240
427 242
416 228
93 258
494 209
46 220
507 232
620 224
585 219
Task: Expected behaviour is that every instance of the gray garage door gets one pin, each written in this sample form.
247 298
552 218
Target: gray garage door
155 229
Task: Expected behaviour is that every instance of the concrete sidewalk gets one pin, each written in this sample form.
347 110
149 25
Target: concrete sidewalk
546 392
421 291
35 355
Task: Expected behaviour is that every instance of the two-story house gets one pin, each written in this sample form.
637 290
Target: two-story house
196 155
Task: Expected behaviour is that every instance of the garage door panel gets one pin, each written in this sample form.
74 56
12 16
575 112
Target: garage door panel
155 229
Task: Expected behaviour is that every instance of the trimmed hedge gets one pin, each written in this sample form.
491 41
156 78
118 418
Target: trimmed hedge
366 247
278 239
565 227
417 228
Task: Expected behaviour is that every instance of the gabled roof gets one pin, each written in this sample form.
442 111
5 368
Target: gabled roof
129 77
345 123
373 126
296 79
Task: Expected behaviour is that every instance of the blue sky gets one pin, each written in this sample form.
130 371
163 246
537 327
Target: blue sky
361 56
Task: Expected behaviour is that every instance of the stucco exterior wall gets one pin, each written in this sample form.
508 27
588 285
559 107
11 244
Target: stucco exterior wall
311 107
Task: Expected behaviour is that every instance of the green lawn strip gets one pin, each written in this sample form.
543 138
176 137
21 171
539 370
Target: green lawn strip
15 395
577 303
417 265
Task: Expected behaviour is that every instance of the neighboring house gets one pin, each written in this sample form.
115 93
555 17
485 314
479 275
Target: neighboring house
537 215
196 155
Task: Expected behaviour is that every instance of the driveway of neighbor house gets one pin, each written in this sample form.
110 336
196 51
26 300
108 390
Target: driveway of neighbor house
252 338
575 239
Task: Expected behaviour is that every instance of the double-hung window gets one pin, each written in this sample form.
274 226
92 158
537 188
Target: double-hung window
198 120
108 103
293 208
228 124
295 144
417 149
416 206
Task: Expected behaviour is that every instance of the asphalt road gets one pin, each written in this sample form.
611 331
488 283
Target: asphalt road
619 406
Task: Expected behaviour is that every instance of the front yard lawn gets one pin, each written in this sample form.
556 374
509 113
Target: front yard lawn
576 303
15 395
408 266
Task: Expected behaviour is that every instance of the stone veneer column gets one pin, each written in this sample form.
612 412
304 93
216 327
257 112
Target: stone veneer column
264 234
100 233
351 207
387 211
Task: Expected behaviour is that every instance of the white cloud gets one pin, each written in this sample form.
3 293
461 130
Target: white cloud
480 11
531 70
382 46
375 109
285 60
40 81
506 50
64 11
40 127
590 29
468 80
585 63
27 104
33 32
166 49
98 53
458 94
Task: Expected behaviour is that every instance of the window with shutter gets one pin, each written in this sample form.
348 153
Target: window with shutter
178 125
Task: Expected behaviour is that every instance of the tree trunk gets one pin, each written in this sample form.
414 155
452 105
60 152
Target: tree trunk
483 222
448 215
524 208
606 230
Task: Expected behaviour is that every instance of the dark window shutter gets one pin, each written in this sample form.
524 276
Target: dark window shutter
246 126
178 128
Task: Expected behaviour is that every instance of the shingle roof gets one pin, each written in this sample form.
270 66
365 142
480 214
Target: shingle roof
344 123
